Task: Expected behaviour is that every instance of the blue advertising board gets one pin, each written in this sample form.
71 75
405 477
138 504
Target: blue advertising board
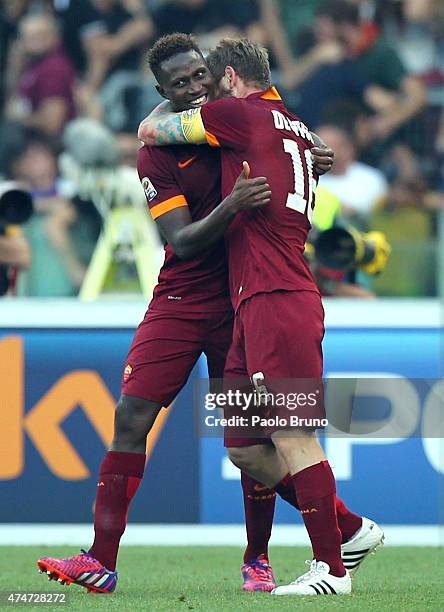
60 387
397 481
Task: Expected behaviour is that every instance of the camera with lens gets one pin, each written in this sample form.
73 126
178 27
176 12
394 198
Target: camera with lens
348 249
16 207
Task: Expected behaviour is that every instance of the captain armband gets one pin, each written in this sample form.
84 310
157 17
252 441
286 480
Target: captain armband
192 126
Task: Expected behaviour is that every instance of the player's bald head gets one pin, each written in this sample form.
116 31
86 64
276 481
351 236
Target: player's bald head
168 47
249 59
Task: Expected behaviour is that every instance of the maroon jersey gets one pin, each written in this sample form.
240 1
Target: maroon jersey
265 246
50 77
186 176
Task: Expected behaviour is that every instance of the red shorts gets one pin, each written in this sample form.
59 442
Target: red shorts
166 347
277 340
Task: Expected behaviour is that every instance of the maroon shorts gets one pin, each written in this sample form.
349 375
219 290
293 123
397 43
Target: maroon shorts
166 347
277 341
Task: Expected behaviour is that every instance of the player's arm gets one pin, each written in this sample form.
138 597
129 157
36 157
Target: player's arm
163 127
169 207
222 123
189 238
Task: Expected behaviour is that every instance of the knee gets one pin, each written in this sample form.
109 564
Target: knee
245 458
134 418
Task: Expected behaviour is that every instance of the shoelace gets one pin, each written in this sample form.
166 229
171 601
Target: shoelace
82 554
312 573
261 568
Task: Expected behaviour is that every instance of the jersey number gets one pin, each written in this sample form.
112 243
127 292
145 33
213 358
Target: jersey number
297 200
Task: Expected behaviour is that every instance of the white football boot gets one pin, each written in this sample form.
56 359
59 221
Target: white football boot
364 543
317 581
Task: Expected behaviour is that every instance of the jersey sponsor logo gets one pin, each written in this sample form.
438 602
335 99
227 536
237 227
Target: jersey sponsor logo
149 189
174 297
127 372
187 162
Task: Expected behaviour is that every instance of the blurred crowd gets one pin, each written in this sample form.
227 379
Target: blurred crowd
366 75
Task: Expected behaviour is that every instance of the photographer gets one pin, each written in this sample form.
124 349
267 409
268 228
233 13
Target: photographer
336 253
63 231
15 253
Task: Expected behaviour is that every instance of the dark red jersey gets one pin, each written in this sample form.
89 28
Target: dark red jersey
186 176
265 246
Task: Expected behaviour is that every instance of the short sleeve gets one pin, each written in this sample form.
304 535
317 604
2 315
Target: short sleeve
162 192
226 123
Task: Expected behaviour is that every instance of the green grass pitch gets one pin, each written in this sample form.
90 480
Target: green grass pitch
207 579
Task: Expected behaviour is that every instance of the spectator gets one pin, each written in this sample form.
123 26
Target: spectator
126 28
322 76
209 20
62 233
283 21
358 186
13 141
114 34
396 96
10 14
350 59
407 219
82 29
43 100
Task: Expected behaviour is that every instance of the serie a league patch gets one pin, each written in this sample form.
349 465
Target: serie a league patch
149 189
127 372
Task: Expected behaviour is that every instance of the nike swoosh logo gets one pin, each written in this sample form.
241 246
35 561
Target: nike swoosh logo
187 162
259 487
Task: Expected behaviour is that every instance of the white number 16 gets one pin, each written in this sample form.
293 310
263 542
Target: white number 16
297 200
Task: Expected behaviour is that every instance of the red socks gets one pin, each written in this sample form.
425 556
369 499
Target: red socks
315 490
285 489
348 522
259 503
119 478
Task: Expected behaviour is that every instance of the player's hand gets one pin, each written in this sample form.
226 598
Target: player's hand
323 158
249 193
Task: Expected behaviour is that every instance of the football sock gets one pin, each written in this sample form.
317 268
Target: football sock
259 503
119 478
348 522
315 490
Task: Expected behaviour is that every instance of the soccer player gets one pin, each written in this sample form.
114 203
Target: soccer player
278 326
190 313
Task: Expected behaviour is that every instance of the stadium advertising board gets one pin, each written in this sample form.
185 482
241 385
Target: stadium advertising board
59 389
56 420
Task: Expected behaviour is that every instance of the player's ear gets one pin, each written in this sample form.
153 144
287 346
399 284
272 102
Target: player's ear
230 75
161 91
